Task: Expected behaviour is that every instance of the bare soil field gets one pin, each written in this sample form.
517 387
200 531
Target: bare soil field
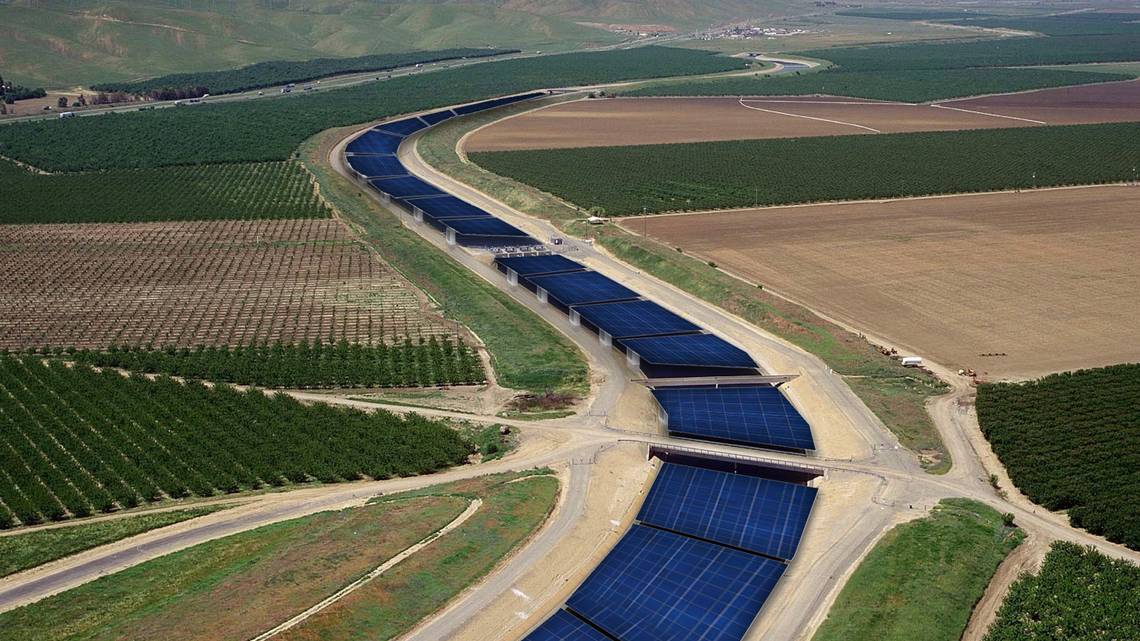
1014 285
643 121
199 283
1108 102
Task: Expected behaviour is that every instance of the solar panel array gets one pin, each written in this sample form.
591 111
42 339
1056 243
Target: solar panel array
660 586
404 127
635 318
487 226
579 288
538 265
444 207
749 414
564 626
699 350
374 142
377 166
404 187
437 117
748 512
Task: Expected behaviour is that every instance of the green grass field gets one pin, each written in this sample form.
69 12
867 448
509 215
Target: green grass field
526 352
897 395
245 191
922 578
19 552
715 175
1078 594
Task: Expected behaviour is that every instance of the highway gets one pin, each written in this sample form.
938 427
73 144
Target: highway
852 442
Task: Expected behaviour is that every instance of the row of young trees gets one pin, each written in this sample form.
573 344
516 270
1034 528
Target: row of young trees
74 441
1071 442
431 361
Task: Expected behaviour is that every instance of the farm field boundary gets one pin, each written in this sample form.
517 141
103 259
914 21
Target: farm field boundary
731 174
972 281
895 394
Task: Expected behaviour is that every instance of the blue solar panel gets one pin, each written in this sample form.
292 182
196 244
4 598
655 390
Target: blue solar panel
748 512
405 187
444 207
374 166
436 117
536 265
483 227
659 586
403 127
753 414
563 626
497 102
635 318
579 288
374 142
692 350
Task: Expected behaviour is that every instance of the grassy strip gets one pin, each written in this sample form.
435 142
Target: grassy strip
246 191
247 582
1078 594
905 85
20 552
922 579
396 601
896 394
744 173
526 353
1069 442
435 361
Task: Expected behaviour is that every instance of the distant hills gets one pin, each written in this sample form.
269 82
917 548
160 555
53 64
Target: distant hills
65 43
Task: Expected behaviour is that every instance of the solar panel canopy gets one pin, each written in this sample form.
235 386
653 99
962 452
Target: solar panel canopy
579 288
537 265
483 227
660 586
756 514
436 117
403 127
443 207
563 626
405 187
497 102
634 318
696 350
376 166
374 142
751 414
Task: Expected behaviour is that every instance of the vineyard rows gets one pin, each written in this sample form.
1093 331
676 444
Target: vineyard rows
436 361
1072 442
75 441
261 130
200 283
713 175
247 191
908 85
1078 594
279 72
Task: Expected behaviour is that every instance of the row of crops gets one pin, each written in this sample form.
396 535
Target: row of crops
1071 442
1078 594
907 85
247 191
278 72
271 129
434 361
712 175
74 441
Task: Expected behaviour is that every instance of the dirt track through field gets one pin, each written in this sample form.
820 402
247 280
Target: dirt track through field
633 121
1012 284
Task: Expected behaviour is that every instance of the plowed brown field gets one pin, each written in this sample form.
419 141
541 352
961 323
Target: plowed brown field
1013 284
199 283
635 121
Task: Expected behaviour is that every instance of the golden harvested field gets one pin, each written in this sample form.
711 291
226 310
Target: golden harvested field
637 121
1013 285
199 283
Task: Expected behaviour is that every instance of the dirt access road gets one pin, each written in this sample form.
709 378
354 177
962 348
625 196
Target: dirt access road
1013 285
